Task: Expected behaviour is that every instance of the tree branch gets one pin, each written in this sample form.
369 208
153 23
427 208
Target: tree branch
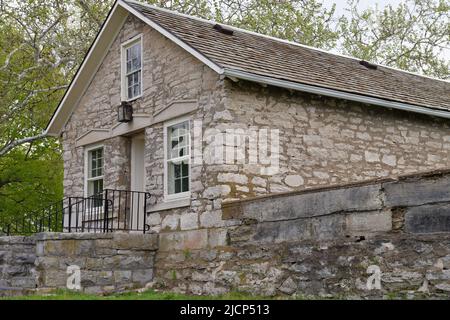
19 142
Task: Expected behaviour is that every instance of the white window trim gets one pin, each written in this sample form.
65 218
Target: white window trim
182 195
123 64
86 165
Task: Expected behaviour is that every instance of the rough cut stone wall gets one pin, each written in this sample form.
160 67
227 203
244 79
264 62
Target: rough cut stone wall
169 74
325 141
17 256
107 262
321 242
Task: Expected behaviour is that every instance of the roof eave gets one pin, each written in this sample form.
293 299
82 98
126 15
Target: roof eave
232 73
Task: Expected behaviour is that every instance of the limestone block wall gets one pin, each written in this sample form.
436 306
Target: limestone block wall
108 262
326 141
17 269
321 242
323 142
169 74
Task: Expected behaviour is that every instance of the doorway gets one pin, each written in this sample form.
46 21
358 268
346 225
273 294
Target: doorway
137 182
138 163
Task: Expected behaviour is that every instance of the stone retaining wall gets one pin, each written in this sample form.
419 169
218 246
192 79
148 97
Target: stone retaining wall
107 262
17 270
321 242
333 242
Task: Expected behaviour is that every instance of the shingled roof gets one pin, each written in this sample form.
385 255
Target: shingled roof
270 57
242 54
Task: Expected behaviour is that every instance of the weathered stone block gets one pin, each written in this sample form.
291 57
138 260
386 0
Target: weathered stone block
217 237
143 276
134 241
362 198
320 228
368 222
96 278
54 278
122 276
170 222
428 219
417 192
68 247
180 240
189 221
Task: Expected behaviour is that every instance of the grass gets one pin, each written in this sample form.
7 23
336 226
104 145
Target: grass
147 295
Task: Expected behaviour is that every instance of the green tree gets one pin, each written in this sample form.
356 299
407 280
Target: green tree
43 42
413 36
41 45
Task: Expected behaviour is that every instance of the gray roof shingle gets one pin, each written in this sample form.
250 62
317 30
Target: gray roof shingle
265 56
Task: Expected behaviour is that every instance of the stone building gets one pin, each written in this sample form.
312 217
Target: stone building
194 86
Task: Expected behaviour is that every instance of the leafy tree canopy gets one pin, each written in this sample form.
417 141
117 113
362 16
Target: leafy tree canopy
42 43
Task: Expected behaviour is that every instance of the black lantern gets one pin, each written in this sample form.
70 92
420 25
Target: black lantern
125 112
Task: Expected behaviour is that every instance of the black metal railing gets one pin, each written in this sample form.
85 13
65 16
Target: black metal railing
109 211
48 219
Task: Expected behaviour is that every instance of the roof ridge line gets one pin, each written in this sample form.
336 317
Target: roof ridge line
279 39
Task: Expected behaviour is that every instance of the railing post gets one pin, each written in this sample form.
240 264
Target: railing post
70 215
145 211
105 212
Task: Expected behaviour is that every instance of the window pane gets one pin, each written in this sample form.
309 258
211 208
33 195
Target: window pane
177 185
95 187
178 140
133 70
177 171
184 170
129 55
185 186
170 178
178 146
136 64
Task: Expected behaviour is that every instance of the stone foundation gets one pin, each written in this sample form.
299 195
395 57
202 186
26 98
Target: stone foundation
107 262
336 241
323 242
17 270
410 266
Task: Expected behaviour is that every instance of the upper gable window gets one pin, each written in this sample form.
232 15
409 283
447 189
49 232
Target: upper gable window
132 68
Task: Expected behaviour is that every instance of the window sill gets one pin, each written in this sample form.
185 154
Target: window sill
131 100
171 204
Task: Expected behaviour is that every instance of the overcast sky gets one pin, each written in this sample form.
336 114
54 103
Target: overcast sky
364 4
341 4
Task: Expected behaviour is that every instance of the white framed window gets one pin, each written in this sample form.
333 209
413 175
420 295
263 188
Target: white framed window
177 150
94 160
132 68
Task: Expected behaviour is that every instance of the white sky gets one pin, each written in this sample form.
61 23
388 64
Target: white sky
363 4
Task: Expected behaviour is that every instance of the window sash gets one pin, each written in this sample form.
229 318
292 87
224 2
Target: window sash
183 145
132 70
95 171
178 171
133 54
95 163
